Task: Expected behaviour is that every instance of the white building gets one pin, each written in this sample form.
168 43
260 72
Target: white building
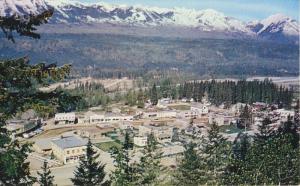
65 118
200 109
140 141
109 118
161 133
188 114
196 111
220 119
284 114
162 103
237 108
162 114
69 149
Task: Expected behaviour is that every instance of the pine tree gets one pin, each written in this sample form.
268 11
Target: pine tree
215 150
90 172
290 128
17 94
149 168
270 158
125 173
234 173
297 113
45 177
191 168
273 162
140 99
24 25
153 95
265 132
245 117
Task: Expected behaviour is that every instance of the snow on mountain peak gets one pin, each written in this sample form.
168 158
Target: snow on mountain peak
278 23
21 7
275 19
73 11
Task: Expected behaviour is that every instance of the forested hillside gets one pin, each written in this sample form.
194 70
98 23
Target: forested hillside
204 56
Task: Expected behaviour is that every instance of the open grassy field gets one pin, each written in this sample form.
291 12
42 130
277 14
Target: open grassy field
106 146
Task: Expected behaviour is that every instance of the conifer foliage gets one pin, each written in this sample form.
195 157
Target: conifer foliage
45 177
149 167
90 172
215 151
233 92
153 95
191 168
24 25
125 172
18 92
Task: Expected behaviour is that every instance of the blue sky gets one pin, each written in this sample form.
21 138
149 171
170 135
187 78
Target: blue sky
243 9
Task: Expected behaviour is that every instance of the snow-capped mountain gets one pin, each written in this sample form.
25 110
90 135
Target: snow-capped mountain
275 24
276 27
21 7
73 12
69 11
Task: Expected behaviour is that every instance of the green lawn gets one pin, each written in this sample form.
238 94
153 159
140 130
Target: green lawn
229 129
107 145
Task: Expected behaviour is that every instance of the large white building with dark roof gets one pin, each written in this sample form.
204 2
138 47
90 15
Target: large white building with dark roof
69 149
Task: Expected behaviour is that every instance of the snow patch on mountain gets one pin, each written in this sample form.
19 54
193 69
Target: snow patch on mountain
21 7
280 23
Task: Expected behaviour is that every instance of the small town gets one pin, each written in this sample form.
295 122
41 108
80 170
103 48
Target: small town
62 140
149 93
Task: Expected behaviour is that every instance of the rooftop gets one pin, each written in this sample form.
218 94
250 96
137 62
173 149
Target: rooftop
69 142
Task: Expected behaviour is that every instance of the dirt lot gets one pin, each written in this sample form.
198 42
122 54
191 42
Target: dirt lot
58 131
109 84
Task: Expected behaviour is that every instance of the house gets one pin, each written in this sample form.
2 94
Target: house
109 118
161 133
188 114
197 110
162 103
69 149
237 108
172 150
162 114
18 127
28 121
284 114
43 146
259 105
140 141
65 118
220 119
200 109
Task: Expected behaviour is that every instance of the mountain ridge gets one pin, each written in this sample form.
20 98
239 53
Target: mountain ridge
276 27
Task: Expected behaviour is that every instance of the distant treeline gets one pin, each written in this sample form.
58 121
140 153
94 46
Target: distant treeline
240 91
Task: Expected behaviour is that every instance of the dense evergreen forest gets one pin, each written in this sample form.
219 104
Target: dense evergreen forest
225 92
233 92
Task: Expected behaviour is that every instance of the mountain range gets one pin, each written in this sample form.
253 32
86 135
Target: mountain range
277 27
